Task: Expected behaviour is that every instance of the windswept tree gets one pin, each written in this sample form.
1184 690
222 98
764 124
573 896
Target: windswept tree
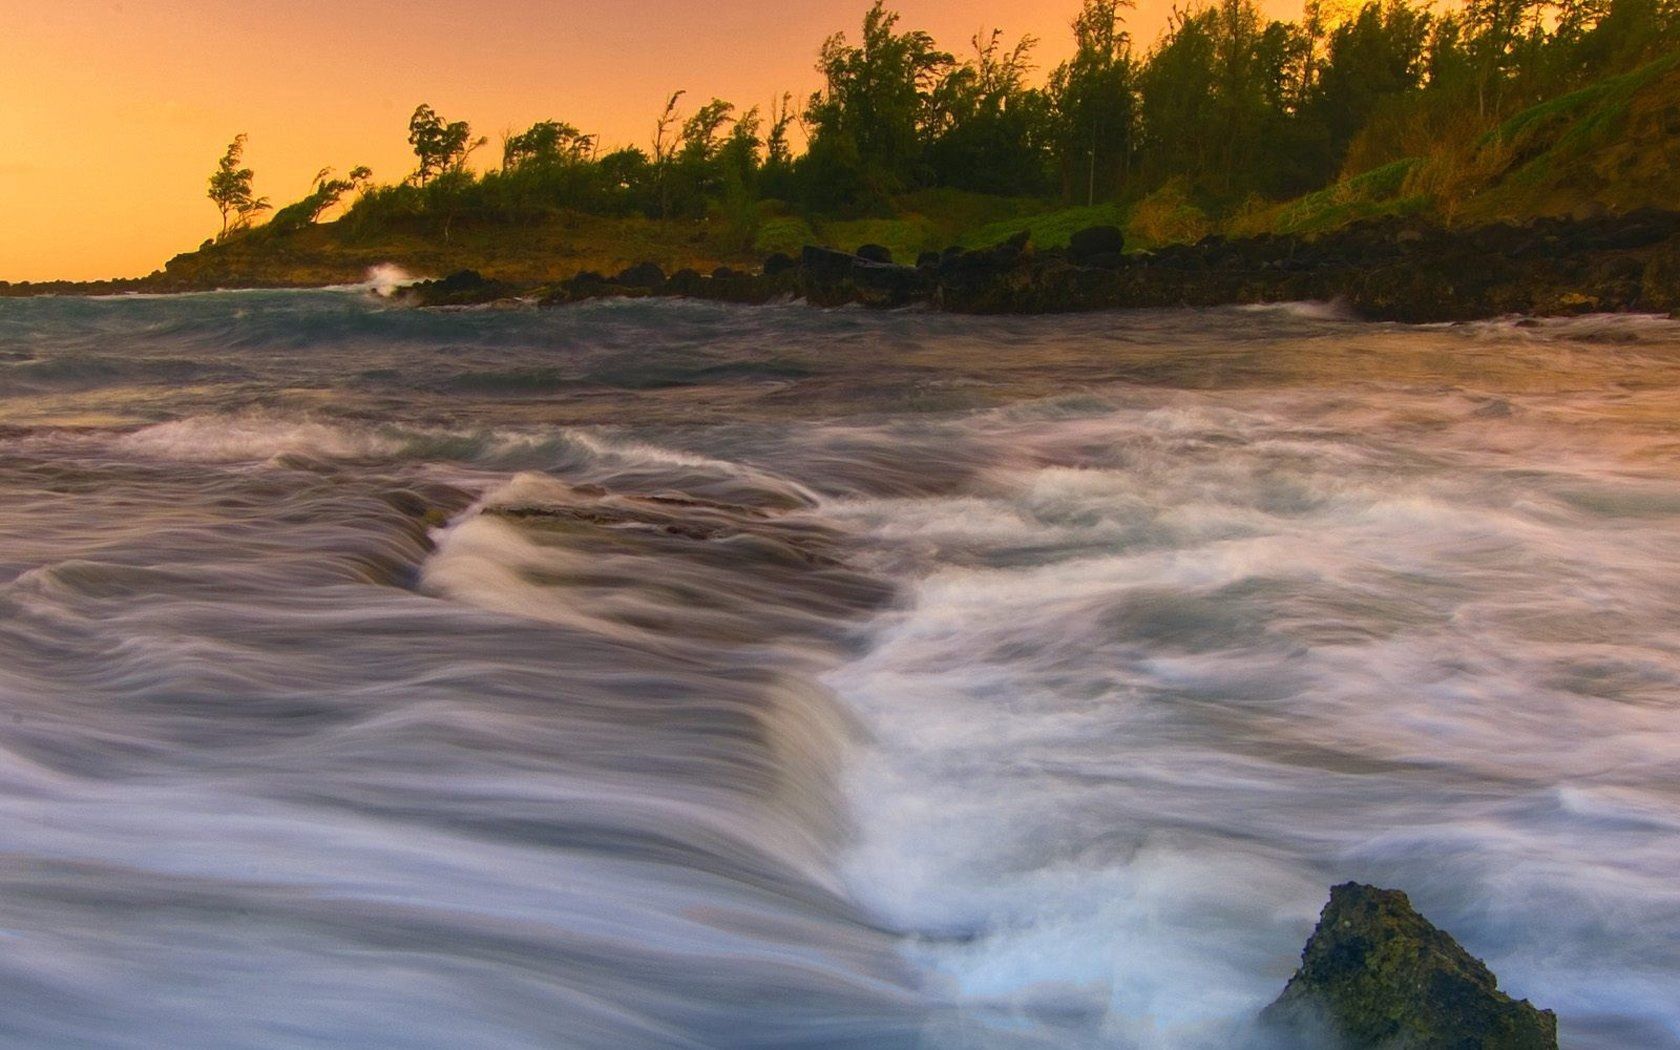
986 127
439 146
545 144
1094 95
870 123
1371 59
667 139
230 189
777 173
328 191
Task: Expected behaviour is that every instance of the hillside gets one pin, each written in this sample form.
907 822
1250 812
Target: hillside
1613 146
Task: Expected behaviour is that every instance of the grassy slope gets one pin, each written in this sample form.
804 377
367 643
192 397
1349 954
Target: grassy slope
1615 144
539 253
570 242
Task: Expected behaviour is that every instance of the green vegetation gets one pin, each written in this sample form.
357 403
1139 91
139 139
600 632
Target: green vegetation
1229 122
230 189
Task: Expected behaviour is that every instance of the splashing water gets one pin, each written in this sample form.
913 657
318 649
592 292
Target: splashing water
385 279
666 674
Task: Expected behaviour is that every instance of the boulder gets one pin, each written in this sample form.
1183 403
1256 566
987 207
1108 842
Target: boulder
779 263
461 288
876 253
642 275
884 285
1376 974
686 281
1095 241
823 265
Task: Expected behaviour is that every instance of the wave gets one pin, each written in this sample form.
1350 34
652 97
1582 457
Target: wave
1311 310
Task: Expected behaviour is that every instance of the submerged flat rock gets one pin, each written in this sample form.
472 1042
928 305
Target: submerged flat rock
1375 974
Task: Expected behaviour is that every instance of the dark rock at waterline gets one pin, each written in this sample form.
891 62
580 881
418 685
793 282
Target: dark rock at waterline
834 278
876 253
461 288
824 265
645 275
1376 974
1096 241
1395 269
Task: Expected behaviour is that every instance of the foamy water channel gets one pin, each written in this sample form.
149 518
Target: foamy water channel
677 675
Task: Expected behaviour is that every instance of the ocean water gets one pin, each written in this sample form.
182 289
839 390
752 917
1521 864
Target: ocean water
662 674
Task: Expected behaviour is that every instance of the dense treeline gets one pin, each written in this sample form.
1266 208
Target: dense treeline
1226 107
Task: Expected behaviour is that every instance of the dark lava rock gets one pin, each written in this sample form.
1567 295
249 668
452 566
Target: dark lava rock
686 281
778 264
642 275
876 253
1376 974
928 261
461 288
825 265
1094 241
887 286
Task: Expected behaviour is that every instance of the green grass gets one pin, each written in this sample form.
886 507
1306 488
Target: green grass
1371 194
783 233
1565 139
1049 229
905 236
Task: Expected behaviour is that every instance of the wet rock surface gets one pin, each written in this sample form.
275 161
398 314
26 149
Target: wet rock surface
1395 270
1376 974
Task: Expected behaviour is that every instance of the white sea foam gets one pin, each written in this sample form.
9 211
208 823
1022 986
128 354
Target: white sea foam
1163 661
385 279
228 439
1135 718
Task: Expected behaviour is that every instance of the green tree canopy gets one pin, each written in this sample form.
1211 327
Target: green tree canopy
230 189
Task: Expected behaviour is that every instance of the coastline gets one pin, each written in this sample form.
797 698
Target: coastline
1403 270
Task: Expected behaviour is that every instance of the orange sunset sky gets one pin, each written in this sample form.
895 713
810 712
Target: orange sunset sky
113 112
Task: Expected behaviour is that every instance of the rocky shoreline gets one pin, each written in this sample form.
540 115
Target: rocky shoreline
1396 269
1393 270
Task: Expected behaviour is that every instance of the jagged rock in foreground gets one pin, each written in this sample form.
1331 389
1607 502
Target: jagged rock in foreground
1377 974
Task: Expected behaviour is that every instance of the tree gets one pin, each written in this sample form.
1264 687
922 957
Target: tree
776 176
987 129
1220 98
328 191
440 147
1372 58
546 144
1496 34
870 123
230 189
665 145
1094 99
